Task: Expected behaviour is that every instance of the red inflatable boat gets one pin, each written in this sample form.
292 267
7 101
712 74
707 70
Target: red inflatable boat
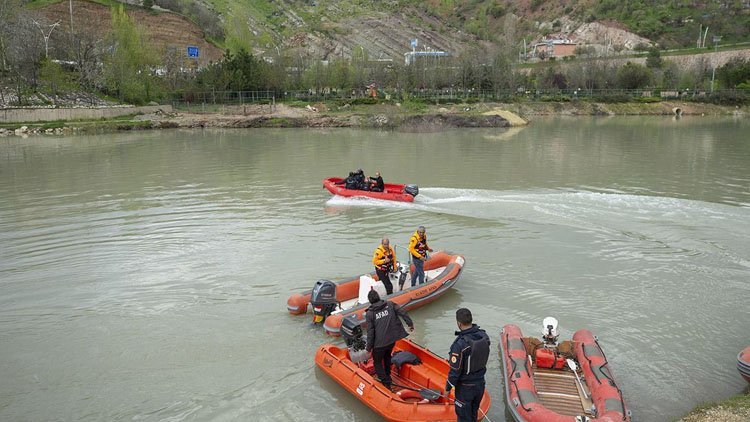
743 363
392 192
424 398
332 302
548 387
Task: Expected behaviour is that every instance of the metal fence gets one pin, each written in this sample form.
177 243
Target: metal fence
207 99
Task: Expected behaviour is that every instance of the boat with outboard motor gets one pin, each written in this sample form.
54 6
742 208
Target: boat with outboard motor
569 382
331 302
391 192
743 363
417 393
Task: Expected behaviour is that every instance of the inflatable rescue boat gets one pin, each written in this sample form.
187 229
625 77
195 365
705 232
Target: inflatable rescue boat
569 382
331 302
417 392
743 363
392 191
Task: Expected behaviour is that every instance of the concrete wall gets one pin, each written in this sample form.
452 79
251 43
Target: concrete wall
24 115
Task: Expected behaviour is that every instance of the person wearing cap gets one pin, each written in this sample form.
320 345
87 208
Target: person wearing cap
468 364
384 260
418 249
384 328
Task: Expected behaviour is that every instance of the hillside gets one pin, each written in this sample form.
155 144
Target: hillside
327 29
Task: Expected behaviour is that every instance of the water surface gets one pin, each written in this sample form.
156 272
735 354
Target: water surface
143 276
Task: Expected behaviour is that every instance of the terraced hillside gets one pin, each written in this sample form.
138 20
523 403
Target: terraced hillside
326 29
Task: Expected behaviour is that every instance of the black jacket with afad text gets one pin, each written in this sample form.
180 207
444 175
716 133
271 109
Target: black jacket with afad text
383 324
463 370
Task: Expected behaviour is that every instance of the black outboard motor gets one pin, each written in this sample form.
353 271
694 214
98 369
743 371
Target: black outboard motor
354 336
323 300
412 190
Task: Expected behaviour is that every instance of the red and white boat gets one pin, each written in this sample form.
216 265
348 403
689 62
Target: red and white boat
392 191
548 387
331 302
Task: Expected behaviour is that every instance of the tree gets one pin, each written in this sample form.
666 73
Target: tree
654 61
148 4
735 72
130 61
633 76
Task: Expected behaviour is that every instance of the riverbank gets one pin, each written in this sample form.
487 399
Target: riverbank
406 117
733 409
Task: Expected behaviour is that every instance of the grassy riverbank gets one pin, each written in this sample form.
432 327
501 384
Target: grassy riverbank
733 409
416 117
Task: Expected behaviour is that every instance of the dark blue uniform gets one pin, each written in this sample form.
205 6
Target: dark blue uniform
467 376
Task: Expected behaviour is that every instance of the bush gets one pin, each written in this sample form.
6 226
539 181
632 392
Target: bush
615 97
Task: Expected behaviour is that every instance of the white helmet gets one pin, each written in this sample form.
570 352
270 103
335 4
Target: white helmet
549 328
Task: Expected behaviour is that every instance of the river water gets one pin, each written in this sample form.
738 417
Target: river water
143 276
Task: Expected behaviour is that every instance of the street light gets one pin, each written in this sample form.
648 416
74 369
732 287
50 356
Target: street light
46 36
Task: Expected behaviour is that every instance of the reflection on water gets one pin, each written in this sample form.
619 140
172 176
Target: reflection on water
144 275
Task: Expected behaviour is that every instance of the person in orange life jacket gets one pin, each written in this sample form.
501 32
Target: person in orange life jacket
468 364
384 328
418 248
376 183
384 260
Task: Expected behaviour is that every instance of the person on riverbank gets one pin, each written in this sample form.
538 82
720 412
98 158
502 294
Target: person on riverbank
384 260
376 183
418 249
384 328
468 364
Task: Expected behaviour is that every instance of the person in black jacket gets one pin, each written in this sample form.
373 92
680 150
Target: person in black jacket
350 182
361 180
468 364
384 328
376 183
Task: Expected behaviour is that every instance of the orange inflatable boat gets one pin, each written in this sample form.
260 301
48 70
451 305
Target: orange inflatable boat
419 395
332 302
565 383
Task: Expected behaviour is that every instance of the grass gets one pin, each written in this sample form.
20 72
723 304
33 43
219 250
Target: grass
739 402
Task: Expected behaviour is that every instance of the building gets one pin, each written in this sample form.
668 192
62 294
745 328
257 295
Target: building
548 48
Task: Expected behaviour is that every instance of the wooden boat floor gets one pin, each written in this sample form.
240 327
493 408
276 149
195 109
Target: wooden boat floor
559 391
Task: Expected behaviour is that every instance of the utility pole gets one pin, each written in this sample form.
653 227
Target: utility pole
70 2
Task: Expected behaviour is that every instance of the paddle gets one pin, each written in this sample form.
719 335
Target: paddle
573 367
426 393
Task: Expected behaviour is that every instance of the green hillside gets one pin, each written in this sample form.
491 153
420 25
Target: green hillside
672 24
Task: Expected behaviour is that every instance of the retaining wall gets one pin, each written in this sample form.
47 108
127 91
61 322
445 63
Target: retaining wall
24 115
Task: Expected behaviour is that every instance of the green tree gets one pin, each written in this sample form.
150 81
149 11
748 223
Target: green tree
148 4
654 61
633 76
128 67
735 72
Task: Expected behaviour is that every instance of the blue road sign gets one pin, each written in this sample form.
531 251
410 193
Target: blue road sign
414 42
192 51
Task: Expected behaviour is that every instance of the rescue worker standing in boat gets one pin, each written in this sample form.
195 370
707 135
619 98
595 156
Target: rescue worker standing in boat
384 260
468 364
384 328
418 248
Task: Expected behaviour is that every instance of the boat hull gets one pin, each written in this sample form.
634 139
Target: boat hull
431 373
392 191
409 298
743 363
